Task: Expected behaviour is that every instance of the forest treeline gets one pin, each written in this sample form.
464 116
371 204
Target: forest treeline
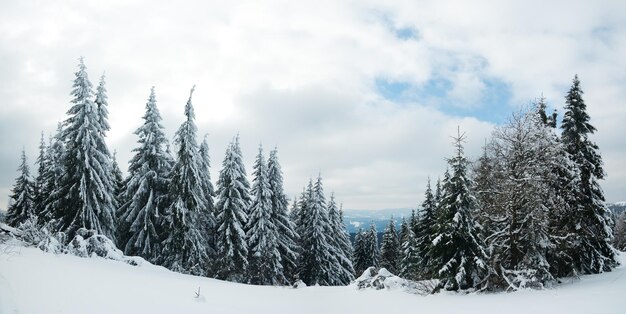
529 211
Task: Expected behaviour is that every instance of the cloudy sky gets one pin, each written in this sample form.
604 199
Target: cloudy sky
366 92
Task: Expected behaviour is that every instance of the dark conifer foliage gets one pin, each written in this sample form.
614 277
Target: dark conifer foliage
144 198
457 253
185 248
390 251
233 201
21 206
592 252
84 197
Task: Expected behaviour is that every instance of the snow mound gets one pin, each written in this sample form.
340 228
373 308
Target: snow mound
381 278
88 243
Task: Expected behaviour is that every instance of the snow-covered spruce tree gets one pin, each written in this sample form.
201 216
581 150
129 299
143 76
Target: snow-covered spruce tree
438 193
39 185
21 206
425 228
457 253
390 254
317 260
102 103
521 238
262 234
233 200
359 253
118 180
184 248
207 216
541 106
373 249
593 252
84 196
54 155
287 236
410 264
341 244
145 190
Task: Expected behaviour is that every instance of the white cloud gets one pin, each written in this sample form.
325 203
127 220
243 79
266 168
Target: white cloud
302 76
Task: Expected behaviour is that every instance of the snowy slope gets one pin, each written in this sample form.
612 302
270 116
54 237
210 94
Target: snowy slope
35 282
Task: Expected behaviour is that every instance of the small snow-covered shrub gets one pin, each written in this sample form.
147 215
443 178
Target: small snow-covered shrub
88 243
522 279
32 233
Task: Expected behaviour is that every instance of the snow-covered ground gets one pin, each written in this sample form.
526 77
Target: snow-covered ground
32 281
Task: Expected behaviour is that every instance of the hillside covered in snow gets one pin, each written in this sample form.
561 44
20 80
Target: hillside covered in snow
32 281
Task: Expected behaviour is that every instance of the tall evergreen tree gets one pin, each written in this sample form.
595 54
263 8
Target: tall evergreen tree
233 199
390 254
287 235
373 248
262 233
359 253
118 180
102 102
317 259
145 191
457 252
207 216
425 228
21 206
593 252
410 264
54 156
341 244
40 193
84 197
185 248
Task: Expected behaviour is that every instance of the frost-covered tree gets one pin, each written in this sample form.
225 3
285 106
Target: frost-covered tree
145 191
541 106
425 228
341 244
233 200
54 155
102 102
207 219
457 253
410 263
265 266
317 260
390 251
287 235
520 233
118 180
373 249
359 253
592 252
21 206
40 193
84 197
184 248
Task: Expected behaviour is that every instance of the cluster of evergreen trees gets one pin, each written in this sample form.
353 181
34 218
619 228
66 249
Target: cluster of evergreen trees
530 210
527 212
167 209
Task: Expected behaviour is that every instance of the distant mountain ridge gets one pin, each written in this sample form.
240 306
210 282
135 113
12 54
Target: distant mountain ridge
355 219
